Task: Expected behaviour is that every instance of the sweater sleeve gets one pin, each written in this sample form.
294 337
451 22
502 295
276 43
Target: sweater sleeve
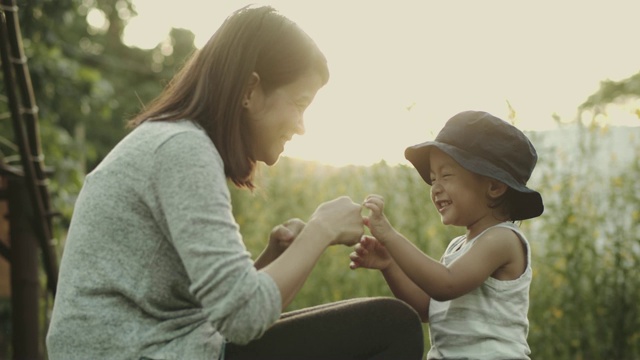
195 205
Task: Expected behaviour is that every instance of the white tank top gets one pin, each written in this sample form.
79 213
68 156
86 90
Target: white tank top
489 322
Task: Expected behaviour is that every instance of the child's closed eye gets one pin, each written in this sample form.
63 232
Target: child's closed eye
443 176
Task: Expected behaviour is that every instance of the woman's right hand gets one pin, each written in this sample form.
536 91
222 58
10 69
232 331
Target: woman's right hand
342 220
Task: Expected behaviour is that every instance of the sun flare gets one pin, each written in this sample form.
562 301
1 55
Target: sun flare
399 70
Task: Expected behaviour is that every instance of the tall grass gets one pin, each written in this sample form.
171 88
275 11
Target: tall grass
586 246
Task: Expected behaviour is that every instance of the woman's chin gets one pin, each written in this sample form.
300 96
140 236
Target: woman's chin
271 160
270 157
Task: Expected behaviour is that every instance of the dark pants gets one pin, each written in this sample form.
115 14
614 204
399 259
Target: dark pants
363 328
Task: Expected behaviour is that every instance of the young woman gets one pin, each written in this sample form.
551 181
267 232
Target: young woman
476 298
154 266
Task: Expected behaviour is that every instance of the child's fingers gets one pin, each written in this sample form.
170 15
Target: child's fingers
367 241
355 260
360 250
374 197
371 206
376 201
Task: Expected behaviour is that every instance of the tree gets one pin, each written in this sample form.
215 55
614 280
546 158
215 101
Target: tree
611 92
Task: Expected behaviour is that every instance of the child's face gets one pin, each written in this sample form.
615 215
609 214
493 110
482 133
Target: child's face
458 194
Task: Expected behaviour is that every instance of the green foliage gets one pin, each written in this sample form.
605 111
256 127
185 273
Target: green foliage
611 92
86 84
585 290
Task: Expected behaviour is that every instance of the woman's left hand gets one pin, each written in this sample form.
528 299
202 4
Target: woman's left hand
283 235
280 238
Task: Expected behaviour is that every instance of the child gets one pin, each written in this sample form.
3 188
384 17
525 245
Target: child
477 297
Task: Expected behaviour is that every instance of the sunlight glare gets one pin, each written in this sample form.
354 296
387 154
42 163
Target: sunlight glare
400 69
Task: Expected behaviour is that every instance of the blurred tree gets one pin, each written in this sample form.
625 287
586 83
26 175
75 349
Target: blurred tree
611 92
87 82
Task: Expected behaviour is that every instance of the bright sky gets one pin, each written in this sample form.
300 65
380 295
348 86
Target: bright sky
401 68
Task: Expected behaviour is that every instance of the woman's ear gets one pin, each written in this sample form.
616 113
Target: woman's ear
253 87
496 188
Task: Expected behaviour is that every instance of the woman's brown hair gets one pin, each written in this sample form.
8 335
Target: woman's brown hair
210 87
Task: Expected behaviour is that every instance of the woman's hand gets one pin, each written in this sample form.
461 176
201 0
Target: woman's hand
341 220
283 235
280 239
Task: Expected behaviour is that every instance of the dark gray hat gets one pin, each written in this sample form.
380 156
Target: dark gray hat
489 146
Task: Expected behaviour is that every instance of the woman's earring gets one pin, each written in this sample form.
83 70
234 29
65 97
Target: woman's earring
245 103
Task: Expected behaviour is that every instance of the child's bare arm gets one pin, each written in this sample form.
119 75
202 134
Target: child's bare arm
406 290
498 252
494 251
371 254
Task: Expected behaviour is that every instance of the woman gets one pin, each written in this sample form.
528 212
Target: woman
154 266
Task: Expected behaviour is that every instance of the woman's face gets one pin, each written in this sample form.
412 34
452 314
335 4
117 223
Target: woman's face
275 117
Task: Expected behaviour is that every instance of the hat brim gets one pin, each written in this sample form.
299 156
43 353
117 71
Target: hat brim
528 203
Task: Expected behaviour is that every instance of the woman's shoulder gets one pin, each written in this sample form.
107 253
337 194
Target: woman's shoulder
161 140
156 135
163 130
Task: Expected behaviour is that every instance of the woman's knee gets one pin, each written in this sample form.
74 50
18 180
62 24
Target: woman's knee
396 307
403 327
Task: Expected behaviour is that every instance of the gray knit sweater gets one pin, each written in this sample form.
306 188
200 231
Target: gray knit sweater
154 265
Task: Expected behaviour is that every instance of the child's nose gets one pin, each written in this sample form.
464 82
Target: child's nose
436 188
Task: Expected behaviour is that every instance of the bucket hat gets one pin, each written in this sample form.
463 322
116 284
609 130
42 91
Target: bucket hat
489 146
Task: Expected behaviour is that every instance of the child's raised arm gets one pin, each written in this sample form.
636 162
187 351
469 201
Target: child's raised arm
498 249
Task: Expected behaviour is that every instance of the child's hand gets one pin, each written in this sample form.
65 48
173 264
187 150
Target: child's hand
376 221
370 254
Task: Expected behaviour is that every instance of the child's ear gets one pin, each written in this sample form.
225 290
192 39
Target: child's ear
496 188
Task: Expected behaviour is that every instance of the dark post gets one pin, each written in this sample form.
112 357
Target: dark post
24 272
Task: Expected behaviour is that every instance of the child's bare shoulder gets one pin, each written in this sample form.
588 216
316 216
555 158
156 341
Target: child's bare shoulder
500 236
